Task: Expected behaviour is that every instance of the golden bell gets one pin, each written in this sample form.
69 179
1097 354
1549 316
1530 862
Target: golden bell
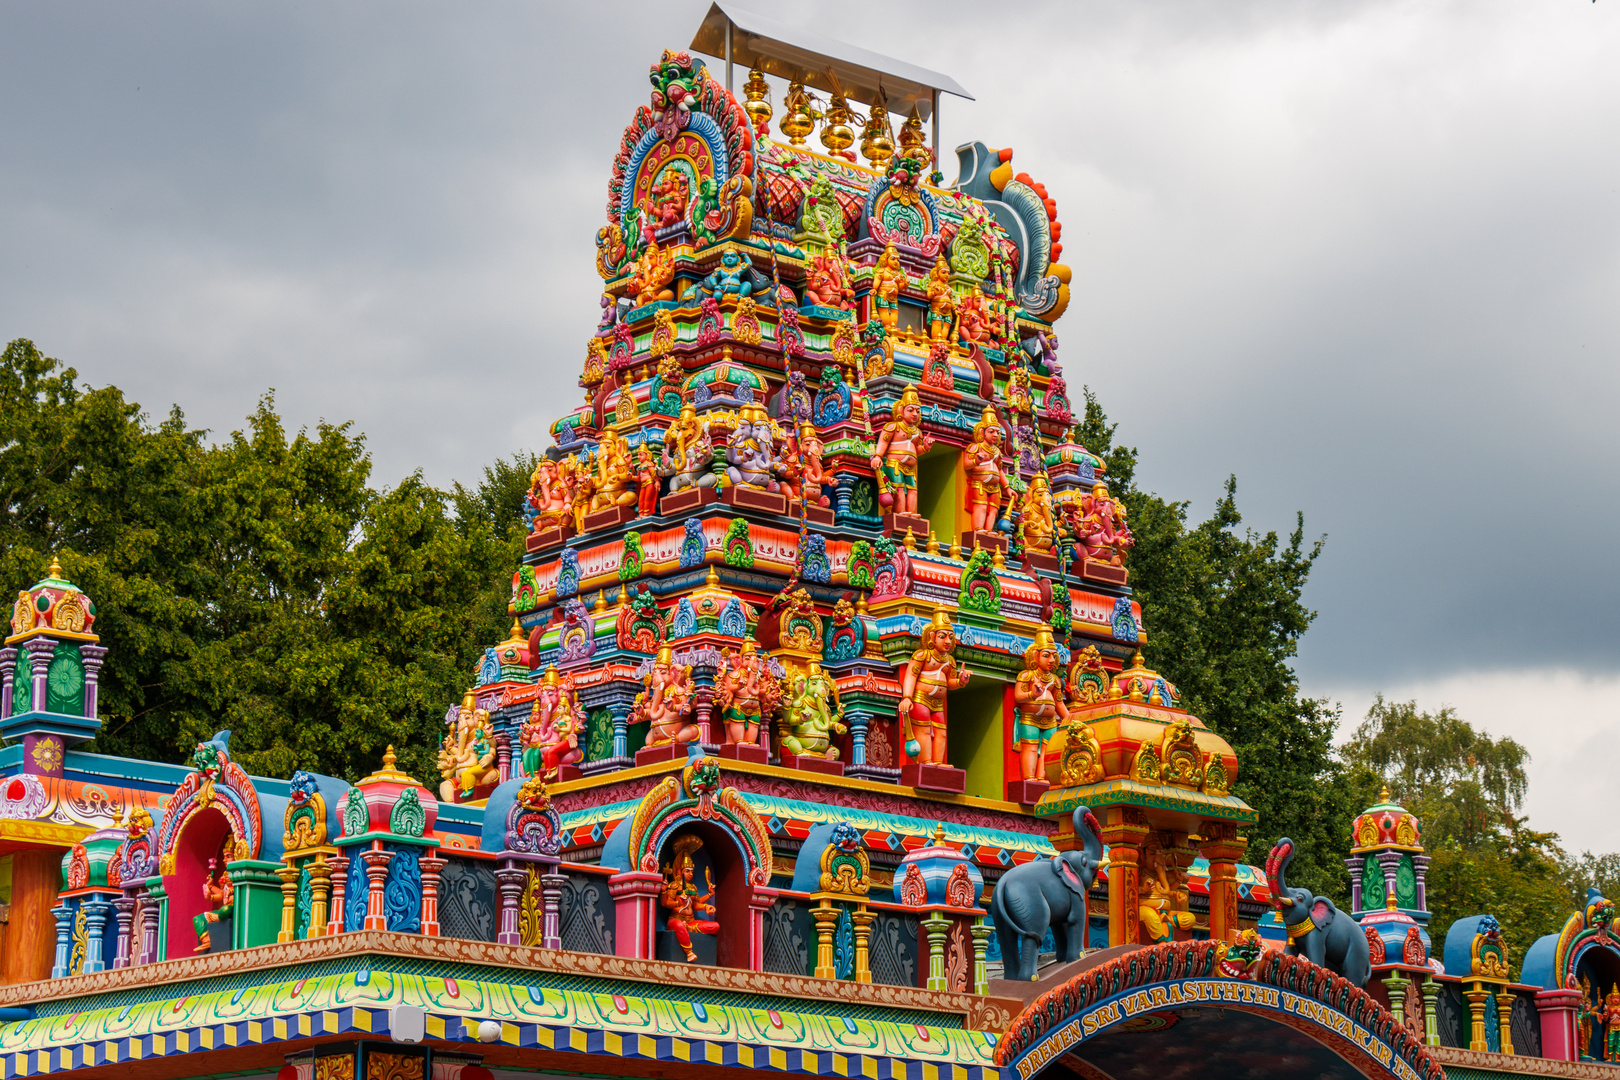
877 144
797 120
836 133
912 140
758 105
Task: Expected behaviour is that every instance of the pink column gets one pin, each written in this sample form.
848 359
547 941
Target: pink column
376 874
124 909
551 887
340 884
431 869
509 882
149 929
759 901
635 910
1558 1033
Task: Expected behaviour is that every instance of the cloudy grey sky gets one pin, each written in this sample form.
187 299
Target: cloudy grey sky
1364 255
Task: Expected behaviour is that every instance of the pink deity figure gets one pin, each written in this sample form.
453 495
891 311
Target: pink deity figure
1100 529
972 320
666 702
745 693
894 458
1038 693
655 270
987 482
827 282
669 197
813 475
647 481
549 495
931 671
550 737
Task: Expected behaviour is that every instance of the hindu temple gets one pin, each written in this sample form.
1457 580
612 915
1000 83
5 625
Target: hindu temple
824 740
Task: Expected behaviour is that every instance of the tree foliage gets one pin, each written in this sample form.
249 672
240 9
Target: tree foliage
258 585
1224 614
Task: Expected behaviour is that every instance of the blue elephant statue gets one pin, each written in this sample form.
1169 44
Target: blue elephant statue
1317 929
1047 893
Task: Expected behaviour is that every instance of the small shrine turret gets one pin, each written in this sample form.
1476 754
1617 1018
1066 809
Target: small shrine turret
1389 882
387 875
50 668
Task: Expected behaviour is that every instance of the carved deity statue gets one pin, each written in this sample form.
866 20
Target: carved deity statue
745 693
688 452
550 737
669 197
732 277
931 671
973 319
655 270
888 278
1162 909
467 756
1039 529
1039 694
550 495
1098 523
680 895
941 300
987 480
894 458
219 894
814 715
666 701
647 481
752 451
826 282
612 473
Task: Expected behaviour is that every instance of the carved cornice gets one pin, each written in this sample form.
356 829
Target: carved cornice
979 1013
1519 1065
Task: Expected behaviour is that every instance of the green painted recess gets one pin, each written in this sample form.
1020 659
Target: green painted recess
975 735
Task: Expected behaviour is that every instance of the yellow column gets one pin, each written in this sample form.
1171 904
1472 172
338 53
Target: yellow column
863 921
288 873
1476 1009
1504 1019
1223 847
826 917
1124 829
320 880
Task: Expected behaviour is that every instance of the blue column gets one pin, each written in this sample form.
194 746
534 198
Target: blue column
846 486
621 728
858 721
64 930
95 922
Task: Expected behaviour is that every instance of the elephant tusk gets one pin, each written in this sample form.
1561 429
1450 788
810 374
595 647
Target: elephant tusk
1285 901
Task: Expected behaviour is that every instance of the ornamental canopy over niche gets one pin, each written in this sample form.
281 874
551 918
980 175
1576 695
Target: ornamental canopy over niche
1385 826
55 607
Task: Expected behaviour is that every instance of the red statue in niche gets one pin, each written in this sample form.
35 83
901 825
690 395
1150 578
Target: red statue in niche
681 896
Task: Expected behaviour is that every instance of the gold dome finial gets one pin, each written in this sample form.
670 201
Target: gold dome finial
601 600
388 757
713 576
1383 794
939 834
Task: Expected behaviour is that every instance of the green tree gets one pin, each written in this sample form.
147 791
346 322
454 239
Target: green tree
1464 786
259 585
1224 615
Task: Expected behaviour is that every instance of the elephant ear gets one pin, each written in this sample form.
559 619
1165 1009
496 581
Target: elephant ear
1322 913
1063 870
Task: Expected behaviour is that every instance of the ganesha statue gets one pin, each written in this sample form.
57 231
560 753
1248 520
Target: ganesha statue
813 716
827 284
752 451
550 737
467 755
666 702
688 453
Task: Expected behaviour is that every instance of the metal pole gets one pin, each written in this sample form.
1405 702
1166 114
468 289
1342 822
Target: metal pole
936 129
728 56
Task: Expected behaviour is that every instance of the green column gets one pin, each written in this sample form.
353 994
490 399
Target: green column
256 919
936 926
1431 1021
981 940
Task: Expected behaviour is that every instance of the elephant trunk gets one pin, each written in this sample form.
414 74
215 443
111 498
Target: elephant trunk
1088 832
1277 878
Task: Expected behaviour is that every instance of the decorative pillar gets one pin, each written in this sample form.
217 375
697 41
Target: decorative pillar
8 668
859 719
40 652
621 728
376 875
1477 997
936 926
320 882
1504 1020
635 910
340 879
431 869
862 920
1222 847
981 942
509 882
1391 862
826 917
1431 1019
846 489
288 874
1354 865
1123 832
64 929
551 887
503 755
760 900
149 931
1559 1032
1396 985
124 911
1420 864
92 657
95 926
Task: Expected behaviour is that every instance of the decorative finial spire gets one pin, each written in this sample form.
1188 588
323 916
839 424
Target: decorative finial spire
56 569
388 757
939 834
1136 659
1383 794
601 600
713 576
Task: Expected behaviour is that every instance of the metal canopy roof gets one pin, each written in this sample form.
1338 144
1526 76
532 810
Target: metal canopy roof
797 55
